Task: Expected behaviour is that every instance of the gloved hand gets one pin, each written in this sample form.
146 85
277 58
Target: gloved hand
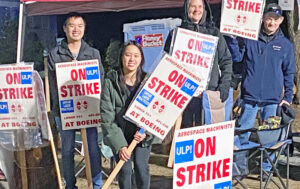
224 92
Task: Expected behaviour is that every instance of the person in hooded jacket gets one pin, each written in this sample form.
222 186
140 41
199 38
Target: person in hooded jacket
198 18
74 48
119 89
269 66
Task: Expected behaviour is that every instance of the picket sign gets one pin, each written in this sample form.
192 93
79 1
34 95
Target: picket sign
18 102
195 51
163 97
242 18
79 88
204 156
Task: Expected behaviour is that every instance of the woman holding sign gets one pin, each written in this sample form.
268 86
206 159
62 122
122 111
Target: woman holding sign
198 18
119 88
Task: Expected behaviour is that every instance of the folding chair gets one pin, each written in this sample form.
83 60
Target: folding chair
214 110
106 152
273 142
241 156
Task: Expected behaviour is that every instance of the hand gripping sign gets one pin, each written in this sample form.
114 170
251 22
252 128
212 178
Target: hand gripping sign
203 156
196 52
242 18
163 97
17 102
79 90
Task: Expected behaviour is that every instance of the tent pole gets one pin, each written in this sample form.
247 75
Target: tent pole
21 33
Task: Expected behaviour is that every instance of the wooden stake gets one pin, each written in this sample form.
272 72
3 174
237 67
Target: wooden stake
171 155
59 178
120 164
87 159
22 159
47 84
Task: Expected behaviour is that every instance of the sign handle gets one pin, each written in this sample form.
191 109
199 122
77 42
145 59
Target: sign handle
171 155
87 158
23 169
59 179
47 83
120 163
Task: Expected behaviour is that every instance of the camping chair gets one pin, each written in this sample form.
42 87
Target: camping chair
273 142
105 150
214 110
241 156
242 153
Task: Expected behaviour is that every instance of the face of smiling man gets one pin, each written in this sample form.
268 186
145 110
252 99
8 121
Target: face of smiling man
74 29
195 10
271 23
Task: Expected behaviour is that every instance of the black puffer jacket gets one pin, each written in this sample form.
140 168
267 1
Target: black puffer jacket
222 67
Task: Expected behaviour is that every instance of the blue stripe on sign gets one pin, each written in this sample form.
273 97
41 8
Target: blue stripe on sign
184 151
189 87
4 108
223 185
92 73
26 77
66 106
145 98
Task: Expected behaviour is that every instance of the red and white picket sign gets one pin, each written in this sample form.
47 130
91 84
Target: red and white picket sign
163 97
203 156
196 52
242 18
79 91
17 98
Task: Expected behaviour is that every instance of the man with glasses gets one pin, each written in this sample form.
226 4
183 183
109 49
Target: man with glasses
269 66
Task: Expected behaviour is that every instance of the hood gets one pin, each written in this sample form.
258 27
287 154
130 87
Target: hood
206 19
112 75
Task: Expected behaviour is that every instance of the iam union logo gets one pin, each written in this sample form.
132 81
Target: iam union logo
16 108
158 106
241 19
81 105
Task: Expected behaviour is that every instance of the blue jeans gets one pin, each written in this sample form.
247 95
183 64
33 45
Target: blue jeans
140 159
67 152
247 120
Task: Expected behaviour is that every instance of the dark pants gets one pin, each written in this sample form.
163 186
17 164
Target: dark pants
67 152
192 115
140 160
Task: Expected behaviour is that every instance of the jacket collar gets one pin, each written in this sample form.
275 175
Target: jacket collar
267 38
114 77
64 49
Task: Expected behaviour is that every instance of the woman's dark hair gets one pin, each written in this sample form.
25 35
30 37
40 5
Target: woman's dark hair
139 72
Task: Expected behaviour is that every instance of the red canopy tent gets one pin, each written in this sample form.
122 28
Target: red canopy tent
48 7
55 7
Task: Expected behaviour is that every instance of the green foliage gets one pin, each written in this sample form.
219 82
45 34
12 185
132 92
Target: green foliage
112 55
33 49
8 42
